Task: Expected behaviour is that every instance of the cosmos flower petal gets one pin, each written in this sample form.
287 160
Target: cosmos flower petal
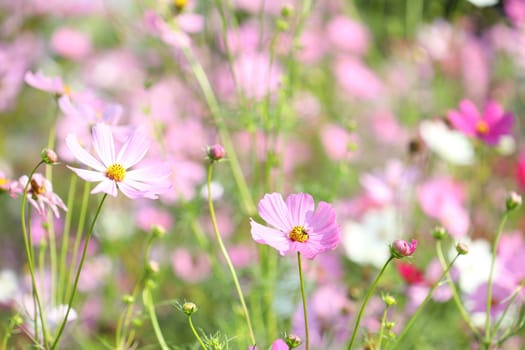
82 155
133 192
461 123
299 204
88 175
493 112
156 172
107 186
133 150
266 235
104 144
274 211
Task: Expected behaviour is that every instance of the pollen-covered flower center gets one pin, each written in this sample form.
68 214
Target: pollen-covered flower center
298 234
482 127
116 172
36 189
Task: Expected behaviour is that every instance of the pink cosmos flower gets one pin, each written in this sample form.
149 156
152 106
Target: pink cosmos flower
489 127
112 170
41 82
39 193
71 44
297 225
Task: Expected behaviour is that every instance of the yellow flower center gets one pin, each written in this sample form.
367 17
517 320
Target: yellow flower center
67 90
3 181
298 234
116 172
180 4
36 189
482 127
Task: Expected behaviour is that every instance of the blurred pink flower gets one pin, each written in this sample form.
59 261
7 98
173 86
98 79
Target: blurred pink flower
475 68
71 43
442 199
489 126
148 216
348 35
502 291
515 10
39 194
357 79
40 228
338 142
280 344
520 170
190 267
510 256
296 225
112 171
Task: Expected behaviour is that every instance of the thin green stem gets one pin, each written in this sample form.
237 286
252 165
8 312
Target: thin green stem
455 294
488 336
215 109
30 257
303 296
196 333
227 256
65 239
147 299
410 322
79 269
9 330
511 300
365 302
382 329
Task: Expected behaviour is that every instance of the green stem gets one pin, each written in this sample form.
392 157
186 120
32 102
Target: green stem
79 269
215 109
65 239
488 336
367 298
227 256
147 299
196 333
9 330
455 294
30 257
512 299
410 322
382 330
303 296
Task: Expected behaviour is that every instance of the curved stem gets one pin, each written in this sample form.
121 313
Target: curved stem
227 256
30 257
215 109
410 322
455 294
488 336
367 298
196 333
303 296
79 269
148 304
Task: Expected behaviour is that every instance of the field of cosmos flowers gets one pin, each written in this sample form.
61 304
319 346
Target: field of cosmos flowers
262 174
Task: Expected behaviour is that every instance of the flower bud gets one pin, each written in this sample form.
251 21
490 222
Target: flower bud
49 156
153 267
282 25
439 232
158 230
462 248
292 341
400 248
389 300
286 10
390 325
189 308
18 320
137 322
128 299
216 152
513 201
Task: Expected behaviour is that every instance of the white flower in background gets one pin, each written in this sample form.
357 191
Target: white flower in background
216 191
483 3
451 145
474 267
367 242
8 286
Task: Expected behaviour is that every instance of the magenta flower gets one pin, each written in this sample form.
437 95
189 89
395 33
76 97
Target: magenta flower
400 248
296 225
112 170
489 127
41 82
39 193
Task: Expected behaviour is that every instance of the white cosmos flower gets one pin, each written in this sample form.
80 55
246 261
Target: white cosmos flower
451 145
483 3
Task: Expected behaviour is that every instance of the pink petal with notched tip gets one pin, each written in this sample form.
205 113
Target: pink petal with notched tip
274 211
272 237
